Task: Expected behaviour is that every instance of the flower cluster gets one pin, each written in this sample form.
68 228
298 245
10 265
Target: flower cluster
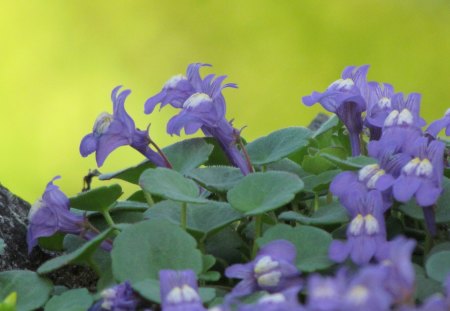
410 161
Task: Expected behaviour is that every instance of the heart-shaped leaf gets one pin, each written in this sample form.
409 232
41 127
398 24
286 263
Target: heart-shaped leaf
98 199
261 192
72 300
217 178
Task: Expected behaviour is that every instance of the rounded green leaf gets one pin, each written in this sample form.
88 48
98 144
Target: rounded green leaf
171 185
333 213
141 250
312 244
278 145
217 178
72 300
98 199
261 192
438 265
32 290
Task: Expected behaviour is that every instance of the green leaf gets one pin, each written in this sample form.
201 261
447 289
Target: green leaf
425 287
170 184
261 192
332 122
333 213
204 218
442 211
438 265
312 244
32 290
351 163
217 178
98 199
141 250
78 256
287 165
320 182
72 300
188 154
317 164
184 156
278 145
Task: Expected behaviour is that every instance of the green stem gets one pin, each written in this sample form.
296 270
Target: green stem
258 231
428 243
316 201
183 220
110 221
148 198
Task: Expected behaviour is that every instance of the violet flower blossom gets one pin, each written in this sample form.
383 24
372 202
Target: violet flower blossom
51 214
435 127
202 107
346 98
401 126
366 232
395 258
272 270
283 301
179 291
379 106
326 293
117 298
118 129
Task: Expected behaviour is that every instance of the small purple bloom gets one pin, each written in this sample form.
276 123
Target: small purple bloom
378 107
346 98
395 258
435 127
179 291
202 107
117 298
51 214
283 301
366 292
366 232
422 175
326 293
118 129
272 270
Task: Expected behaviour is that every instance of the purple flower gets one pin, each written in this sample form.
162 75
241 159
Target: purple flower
395 258
272 270
378 107
366 232
179 291
283 301
370 177
435 127
346 98
326 293
401 126
366 292
117 298
118 129
51 214
202 107
422 175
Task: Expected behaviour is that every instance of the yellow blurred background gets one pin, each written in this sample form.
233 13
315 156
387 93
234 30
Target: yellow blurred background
59 61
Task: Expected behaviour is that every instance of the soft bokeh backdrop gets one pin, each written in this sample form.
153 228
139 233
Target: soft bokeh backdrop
59 61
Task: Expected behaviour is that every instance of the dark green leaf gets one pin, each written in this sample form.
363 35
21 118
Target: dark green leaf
332 122
287 165
425 287
78 256
72 300
32 290
312 244
141 250
350 164
261 192
317 164
320 182
171 185
278 145
98 199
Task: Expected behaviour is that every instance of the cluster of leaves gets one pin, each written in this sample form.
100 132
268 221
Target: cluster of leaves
170 224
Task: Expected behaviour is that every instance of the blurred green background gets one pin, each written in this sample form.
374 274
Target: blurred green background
59 61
